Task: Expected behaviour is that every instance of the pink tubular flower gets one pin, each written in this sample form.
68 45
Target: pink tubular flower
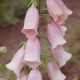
63 30
58 11
55 35
32 53
31 22
60 55
22 77
65 9
35 75
54 72
16 63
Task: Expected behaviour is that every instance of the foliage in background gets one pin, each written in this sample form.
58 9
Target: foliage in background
10 10
73 47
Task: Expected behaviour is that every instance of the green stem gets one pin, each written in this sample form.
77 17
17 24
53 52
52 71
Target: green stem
39 6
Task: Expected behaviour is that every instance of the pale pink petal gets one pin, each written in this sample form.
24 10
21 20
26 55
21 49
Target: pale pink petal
63 29
22 76
32 53
63 6
58 11
54 72
31 22
35 75
55 12
16 63
55 36
66 11
60 55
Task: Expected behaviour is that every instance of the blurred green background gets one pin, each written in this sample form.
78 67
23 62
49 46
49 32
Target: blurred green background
12 13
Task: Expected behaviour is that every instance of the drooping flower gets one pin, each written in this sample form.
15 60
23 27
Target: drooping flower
32 53
16 63
63 30
60 55
35 75
55 34
58 11
63 6
22 76
31 22
54 72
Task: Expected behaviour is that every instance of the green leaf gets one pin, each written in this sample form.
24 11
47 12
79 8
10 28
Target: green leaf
26 69
22 43
35 2
47 17
45 55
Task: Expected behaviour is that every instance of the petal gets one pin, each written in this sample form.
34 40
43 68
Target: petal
16 63
32 53
55 36
60 55
54 72
35 75
23 76
63 30
63 6
54 10
58 11
31 22
66 11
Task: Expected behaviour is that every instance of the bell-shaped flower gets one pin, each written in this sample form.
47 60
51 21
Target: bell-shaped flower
31 22
58 11
63 6
32 53
16 63
22 76
54 72
63 30
55 35
35 75
60 55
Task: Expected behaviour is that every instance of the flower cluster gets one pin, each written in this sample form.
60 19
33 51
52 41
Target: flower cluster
29 54
55 32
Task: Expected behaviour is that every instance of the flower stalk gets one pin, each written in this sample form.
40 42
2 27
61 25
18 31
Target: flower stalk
29 54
